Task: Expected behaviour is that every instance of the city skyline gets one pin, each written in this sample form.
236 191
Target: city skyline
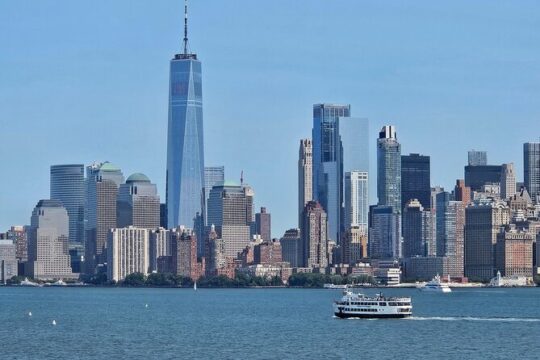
222 143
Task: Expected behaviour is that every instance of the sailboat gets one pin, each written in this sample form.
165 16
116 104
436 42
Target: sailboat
195 286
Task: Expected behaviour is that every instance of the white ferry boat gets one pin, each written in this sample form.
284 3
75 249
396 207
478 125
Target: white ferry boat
332 286
353 305
436 285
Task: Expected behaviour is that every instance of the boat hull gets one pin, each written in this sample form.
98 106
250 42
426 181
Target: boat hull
343 315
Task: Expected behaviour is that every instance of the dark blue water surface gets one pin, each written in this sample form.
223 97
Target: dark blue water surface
114 323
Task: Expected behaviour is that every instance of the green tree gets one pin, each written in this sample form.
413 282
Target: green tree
135 279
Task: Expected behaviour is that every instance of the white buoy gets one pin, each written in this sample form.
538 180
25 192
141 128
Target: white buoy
29 313
54 322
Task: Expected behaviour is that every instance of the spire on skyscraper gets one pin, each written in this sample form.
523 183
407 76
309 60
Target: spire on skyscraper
186 45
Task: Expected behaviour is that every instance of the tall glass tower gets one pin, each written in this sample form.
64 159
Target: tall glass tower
389 169
185 152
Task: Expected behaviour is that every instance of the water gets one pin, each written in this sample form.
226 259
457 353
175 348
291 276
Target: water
103 323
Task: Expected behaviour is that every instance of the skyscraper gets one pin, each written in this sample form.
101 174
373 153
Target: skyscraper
67 186
415 179
314 236
417 229
531 169
291 247
328 163
127 252
103 180
213 175
138 203
354 134
48 250
476 176
384 232
389 169
477 158
508 181
185 147
450 232
305 173
263 224
461 192
356 212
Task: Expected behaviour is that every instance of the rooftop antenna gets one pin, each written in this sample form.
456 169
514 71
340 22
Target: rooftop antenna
185 29
242 178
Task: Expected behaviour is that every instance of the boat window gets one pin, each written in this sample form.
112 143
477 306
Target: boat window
382 304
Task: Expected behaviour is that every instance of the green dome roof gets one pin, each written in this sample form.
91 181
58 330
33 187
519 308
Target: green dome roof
137 177
107 166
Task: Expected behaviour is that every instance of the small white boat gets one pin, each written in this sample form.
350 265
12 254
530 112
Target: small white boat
54 322
332 286
436 285
27 282
195 286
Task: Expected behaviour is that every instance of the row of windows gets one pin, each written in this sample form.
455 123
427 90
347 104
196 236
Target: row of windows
360 310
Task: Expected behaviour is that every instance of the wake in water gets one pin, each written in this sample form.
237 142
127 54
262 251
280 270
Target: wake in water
469 318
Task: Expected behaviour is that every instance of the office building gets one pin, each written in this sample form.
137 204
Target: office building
514 252
508 181
479 175
384 233
161 251
482 225
8 260
19 236
48 238
138 203
314 234
415 179
263 224
450 233
424 268
213 175
328 163
417 229
268 253
389 169
305 176
127 252
531 169
184 244
462 193
477 158
291 247
185 142
354 245
67 186
356 211
102 183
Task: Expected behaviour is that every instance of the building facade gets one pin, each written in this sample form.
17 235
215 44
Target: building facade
67 186
8 260
514 252
508 181
291 247
384 233
477 158
531 169
389 169
417 229
127 252
476 176
415 179
138 203
356 211
263 224
314 236
305 176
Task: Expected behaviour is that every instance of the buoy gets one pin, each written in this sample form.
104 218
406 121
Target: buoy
54 322
29 313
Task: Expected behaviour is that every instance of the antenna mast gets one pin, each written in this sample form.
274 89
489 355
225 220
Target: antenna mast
185 29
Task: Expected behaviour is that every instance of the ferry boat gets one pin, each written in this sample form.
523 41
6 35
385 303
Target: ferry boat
353 305
436 285
332 286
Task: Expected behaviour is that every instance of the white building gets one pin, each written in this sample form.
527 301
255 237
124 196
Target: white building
357 200
127 252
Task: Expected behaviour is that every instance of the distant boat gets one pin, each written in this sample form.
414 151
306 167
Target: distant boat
57 283
195 286
54 322
146 306
436 285
332 286
27 282
29 313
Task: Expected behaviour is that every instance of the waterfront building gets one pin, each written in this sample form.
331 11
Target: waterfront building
76 254
185 142
161 251
508 181
328 163
450 233
102 182
482 223
127 252
67 186
514 252
462 193
305 176
389 169
356 212
417 229
138 203
384 232
531 169
415 179
477 158
263 224
48 238
425 268
291 247
184 244
476 176
8 260
268 253
314 236
19 235
354 245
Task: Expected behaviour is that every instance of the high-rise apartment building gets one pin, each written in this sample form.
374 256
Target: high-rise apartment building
417 229
389 169
482 225
161 251
305 174
328 163
127 252
531 169
508 181
48 238
450 232
138 203
67 186
356 211
184 244
415 179
185 146
314 236
263 224
102 183
477 158
384 232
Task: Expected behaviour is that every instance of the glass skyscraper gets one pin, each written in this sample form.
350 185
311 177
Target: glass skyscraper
415 180
531 169
67 186
185 152
389 168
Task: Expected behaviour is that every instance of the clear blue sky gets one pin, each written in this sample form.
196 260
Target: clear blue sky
87 80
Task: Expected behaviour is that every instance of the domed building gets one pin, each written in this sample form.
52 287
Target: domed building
138 203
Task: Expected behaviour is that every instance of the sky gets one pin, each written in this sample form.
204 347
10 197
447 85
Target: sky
85 81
